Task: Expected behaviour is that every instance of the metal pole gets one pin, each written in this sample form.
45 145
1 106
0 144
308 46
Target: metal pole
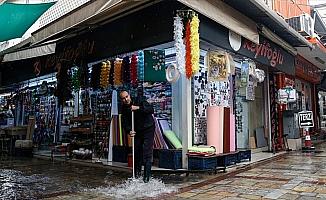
133 144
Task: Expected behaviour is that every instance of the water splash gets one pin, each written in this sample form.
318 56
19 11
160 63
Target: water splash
135 189
15 185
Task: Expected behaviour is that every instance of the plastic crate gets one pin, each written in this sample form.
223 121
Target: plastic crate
244 155
201 162
170 158
120 153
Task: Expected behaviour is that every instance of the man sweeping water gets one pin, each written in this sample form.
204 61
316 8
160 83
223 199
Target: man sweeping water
143 133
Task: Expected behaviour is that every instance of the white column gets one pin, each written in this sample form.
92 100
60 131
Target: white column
176 108
182 114
186 115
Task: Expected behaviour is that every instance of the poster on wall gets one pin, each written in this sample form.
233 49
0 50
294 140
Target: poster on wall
238 116
303 102
220 93
200 131
217 66
250 89
201 95
154 65
244 73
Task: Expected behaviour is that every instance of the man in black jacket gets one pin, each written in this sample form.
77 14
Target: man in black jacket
143 133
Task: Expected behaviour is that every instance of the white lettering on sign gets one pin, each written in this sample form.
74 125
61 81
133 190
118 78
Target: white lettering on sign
306 119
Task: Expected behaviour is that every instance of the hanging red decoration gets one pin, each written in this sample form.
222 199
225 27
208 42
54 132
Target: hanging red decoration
188 52
133 70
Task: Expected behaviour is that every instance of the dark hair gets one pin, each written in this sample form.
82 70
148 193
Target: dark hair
121 92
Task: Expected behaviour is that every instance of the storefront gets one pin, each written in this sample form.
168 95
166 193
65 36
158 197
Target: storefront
263 107
82 109
321 109
307 78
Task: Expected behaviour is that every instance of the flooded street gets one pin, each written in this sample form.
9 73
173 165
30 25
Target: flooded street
295 175
27 178
32 178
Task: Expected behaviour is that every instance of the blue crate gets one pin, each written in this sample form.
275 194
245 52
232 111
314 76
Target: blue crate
201 162
244 155
226 159
170 158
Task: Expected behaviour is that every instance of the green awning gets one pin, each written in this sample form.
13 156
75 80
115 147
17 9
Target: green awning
15 19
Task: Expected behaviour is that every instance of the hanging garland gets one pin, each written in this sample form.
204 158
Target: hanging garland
111 73
104 77
133 70
83 71
188 52
194 43
76 75
96 73
140 66
64 83
179 45
126 69
117 72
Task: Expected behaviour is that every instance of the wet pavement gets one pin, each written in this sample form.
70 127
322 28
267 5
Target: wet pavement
33 178
26 178
294 175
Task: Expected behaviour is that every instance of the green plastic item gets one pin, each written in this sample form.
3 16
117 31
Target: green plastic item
16 19
173 139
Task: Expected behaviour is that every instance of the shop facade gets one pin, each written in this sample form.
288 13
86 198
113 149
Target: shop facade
321 109
94 66
308 76
276 62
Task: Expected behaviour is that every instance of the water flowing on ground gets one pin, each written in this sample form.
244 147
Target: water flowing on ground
135 189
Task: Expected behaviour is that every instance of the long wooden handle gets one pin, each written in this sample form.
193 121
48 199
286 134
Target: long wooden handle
133 144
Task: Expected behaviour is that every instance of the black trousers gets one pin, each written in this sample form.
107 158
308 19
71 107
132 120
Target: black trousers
144 146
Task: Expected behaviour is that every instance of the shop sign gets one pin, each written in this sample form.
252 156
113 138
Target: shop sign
306 70
154 65
268 53
306 119
70 53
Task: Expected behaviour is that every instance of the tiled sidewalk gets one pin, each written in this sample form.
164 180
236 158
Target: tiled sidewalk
293 176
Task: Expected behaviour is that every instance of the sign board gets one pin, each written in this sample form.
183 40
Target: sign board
154 66
306 119
268 53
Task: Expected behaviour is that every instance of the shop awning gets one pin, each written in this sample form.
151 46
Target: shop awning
17 18
89 15
30 52
259 12
226 16
316 55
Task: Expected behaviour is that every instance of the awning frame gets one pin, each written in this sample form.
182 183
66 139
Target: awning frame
88 15
227 16
32 52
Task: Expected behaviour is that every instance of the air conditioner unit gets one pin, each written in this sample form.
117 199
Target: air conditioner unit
303 24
